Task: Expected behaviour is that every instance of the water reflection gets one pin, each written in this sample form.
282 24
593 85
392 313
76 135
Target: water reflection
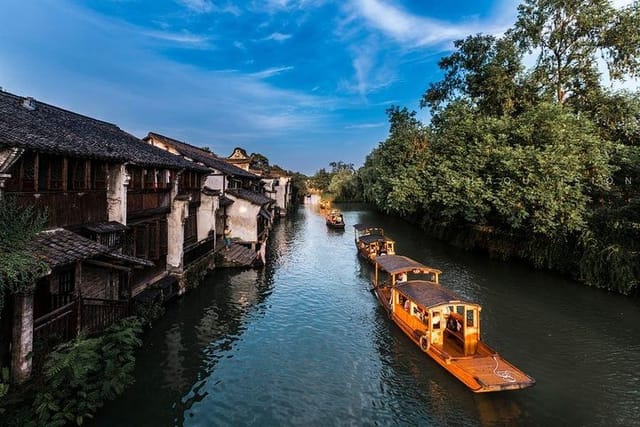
303 342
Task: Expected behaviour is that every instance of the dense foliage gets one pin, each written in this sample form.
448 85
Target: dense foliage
340 184
542 163
80 375
18 226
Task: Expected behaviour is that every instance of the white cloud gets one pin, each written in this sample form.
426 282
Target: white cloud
207 6
183 37
371 72
416 31
365 126
270 72
199 6
277 37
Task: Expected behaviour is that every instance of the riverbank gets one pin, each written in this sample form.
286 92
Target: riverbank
589 262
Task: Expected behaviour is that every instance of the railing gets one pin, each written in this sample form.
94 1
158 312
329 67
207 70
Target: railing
198 250
68 208
53 328
143 200
98 314
62 325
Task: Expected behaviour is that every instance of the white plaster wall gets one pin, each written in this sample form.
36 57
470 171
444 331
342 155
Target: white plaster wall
175 233
215 182
243 220
207 215
117 193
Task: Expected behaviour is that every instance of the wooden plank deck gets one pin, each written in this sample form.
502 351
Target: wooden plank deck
238 256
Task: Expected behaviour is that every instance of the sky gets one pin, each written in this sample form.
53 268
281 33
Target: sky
303 82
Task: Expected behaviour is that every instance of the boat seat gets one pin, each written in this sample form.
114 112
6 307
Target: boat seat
456 334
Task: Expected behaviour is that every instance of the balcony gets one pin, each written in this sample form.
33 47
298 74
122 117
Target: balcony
146 200
65 209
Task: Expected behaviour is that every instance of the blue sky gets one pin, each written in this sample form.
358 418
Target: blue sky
304 82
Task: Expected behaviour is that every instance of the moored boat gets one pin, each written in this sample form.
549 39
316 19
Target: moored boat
334 219
442 324
371 242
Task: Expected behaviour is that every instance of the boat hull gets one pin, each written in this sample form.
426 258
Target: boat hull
485 371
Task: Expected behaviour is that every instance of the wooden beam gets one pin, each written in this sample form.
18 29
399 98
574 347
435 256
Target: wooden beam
107 265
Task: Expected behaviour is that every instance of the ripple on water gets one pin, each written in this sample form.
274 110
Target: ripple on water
303 342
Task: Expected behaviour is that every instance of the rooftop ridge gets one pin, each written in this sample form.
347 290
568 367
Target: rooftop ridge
54 107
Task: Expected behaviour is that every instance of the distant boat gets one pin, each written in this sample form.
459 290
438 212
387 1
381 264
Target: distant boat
335 220
371 242
442 324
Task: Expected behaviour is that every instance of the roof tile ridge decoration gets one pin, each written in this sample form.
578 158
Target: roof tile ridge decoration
55 107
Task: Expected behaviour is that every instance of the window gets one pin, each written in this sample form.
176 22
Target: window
28 172
191 227
153 240
76 172
136 179
471 318
149 178
435 320
56 181
66 282
44 169
150 239
98 175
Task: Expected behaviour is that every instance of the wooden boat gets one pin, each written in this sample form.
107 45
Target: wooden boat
371 242
365 230
443 325
335 220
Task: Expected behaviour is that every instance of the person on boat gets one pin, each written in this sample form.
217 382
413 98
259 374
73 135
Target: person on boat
435 320
402 277
407 304
454 324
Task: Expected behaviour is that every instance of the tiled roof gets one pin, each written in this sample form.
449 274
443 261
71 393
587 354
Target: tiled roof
225 201
252 196
60 247
105 227
49 129
130 259
199 155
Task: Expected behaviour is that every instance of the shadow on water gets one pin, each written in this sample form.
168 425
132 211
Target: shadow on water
303 342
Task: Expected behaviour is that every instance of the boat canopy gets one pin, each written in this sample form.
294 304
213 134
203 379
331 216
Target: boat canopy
397 264
371 238
429 294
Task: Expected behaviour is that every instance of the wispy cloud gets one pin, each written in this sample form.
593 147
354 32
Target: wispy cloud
277 37
207 6
270 72
183 37
198 6
365 126
371 73
413 30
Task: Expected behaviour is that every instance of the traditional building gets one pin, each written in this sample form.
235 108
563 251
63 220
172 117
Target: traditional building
244 208
118 219
276 183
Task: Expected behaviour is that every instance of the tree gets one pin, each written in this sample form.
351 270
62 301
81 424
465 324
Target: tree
484 70
259 162
568 35
18 226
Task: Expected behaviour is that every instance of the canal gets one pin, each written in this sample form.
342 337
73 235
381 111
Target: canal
303 342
